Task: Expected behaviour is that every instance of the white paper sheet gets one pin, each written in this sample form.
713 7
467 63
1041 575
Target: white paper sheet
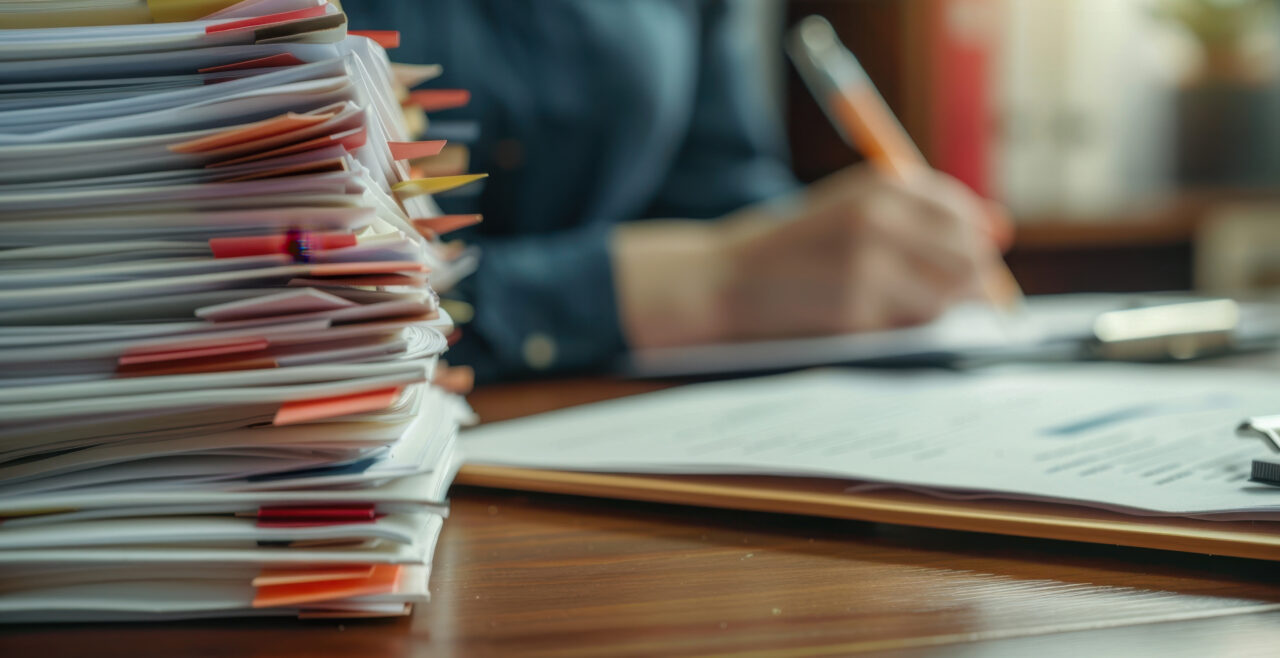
1145 439
967 330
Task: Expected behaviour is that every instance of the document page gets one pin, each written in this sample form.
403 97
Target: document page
1043 328
1140 439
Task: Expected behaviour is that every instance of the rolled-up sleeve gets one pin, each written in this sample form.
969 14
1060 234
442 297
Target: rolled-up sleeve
546 302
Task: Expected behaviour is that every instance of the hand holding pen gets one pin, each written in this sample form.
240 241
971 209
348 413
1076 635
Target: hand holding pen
869 248
864 120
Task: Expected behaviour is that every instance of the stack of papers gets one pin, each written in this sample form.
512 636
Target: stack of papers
219 339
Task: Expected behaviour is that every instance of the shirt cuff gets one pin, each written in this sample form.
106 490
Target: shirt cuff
543 303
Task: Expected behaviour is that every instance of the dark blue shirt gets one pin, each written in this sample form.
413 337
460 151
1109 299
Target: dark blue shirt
591 113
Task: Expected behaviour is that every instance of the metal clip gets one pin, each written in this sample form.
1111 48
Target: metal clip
1264 427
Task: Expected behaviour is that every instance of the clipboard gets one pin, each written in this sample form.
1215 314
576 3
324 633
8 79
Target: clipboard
1259 540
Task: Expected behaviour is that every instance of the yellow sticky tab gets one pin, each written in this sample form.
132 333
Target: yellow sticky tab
80 17
436 185
173 11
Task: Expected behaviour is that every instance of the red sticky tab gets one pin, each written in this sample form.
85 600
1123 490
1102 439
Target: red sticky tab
364 512
262 245
280 59
192 350
309 523
302 411
383 580
375 267
270 19
445 223
434 100
410 150
386 38
195 366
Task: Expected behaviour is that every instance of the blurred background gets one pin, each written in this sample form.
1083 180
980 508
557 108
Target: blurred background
1136 142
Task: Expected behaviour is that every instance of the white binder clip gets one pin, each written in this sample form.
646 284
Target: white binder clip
1264 427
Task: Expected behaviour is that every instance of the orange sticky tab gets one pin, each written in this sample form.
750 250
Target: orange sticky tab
409 150
445 223
279 59
374 267
249 132
384 580
302 411
434 100
192 351
388 39
349 140
270 19
268 577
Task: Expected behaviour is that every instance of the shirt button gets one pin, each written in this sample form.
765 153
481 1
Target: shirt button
539 351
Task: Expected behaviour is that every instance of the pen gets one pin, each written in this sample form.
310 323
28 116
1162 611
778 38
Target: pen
862 117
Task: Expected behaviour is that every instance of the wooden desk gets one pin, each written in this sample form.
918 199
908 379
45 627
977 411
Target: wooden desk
520 574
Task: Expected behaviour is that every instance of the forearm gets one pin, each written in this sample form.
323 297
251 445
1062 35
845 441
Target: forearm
668 276
678 282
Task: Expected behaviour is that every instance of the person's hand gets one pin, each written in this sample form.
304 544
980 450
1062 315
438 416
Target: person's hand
862 252
857 252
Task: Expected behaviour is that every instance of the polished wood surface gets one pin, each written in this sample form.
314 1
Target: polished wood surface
548 575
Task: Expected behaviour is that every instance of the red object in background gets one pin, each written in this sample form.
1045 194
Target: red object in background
961 37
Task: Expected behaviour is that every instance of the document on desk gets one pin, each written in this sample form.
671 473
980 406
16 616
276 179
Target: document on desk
1148 440
1046 327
